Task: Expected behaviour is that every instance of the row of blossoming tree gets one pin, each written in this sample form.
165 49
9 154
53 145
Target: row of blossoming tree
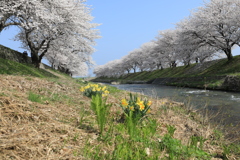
59 30
210 31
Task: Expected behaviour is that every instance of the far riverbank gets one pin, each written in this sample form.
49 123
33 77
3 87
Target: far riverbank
213 75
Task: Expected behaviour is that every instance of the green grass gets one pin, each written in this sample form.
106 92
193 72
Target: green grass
51 98
222 67
15 68
35 97
144 142
101 109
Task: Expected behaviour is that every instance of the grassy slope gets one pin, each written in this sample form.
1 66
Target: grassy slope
222 67
46 117
14 68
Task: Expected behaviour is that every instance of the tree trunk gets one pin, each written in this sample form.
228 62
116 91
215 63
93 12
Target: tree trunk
228 52
1 27
3 21
159 65
35 59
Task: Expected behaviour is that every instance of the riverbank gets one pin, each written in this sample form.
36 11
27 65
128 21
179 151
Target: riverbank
215 75
54 120
47 117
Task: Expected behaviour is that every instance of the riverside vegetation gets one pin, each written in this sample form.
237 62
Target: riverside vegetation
46 115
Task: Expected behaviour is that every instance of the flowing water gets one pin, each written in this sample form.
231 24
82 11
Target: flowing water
226 105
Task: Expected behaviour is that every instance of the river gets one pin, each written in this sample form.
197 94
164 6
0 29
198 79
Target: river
225 105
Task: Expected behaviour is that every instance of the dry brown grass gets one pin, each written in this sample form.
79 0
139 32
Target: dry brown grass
52 130
31 130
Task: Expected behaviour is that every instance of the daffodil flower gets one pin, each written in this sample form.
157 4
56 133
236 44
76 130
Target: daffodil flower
141 107
82 89
106 92
149 103
140 103
104 95
131 108
124 102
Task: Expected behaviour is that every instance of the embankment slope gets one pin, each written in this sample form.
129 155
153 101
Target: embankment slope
218 74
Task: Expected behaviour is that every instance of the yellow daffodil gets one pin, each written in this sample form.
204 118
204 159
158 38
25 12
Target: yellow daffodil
141 107
104 95
82 89
149 103
104 88
140 103
124 102
106 92
131 108
93 89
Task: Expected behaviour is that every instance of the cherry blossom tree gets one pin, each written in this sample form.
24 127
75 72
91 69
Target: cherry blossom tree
147 60
206 53
127 67
157 58
166 41
72 64
110 69
74 34
59 27
132 61
8 13
216 24
185 47
99 71
117 68
17 12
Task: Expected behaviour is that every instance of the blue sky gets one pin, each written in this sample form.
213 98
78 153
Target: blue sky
126 24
